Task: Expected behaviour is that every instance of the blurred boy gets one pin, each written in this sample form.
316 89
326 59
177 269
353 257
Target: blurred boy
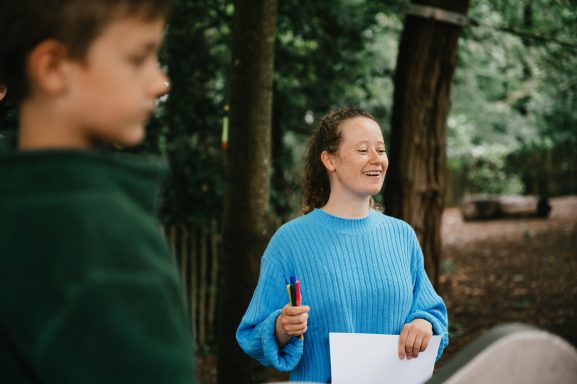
88 291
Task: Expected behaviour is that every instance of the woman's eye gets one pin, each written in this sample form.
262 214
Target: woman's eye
382 151
362 150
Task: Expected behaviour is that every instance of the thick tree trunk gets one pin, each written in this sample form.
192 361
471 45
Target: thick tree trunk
246 210
415 180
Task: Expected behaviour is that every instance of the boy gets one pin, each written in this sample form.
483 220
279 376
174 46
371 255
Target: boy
88 291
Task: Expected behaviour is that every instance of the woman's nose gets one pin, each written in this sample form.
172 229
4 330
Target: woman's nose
374 156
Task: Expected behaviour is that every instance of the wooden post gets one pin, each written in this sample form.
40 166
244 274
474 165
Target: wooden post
202 291
214 239
193 283
173 235
184 256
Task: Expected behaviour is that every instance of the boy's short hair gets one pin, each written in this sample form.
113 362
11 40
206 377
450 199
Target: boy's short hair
75 23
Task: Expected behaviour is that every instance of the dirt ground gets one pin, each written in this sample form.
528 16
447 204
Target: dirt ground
499 271
510 270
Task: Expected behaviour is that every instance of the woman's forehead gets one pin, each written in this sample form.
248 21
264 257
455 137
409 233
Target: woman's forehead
361 129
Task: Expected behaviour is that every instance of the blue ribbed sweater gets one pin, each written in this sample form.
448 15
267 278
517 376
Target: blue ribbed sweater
357 275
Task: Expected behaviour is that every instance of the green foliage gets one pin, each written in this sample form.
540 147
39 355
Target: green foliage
328 55
187 127
514 96
513 120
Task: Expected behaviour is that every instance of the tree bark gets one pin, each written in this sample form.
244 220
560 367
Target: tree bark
246 208
415 182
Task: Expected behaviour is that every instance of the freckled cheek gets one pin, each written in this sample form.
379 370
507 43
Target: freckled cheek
385 164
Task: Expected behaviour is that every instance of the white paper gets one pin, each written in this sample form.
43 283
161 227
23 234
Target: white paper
362 358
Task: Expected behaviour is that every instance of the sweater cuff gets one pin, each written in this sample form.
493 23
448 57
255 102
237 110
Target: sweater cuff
286 358
438 328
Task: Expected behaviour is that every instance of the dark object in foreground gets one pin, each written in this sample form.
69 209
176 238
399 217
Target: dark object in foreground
484 207
512 353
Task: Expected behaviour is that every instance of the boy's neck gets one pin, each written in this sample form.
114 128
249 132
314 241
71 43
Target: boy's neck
42 128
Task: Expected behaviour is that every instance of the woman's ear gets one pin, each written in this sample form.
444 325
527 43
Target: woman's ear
328 161
46 67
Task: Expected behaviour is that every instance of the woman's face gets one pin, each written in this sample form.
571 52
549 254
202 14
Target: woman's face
359 165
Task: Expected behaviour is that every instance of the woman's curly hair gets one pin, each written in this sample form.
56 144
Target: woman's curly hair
326 137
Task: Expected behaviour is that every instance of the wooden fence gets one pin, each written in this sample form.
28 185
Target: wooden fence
196 251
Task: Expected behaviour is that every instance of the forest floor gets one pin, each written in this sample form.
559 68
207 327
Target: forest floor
510 270
500 271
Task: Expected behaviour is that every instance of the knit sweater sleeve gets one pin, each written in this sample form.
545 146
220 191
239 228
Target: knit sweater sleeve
256 332
427 304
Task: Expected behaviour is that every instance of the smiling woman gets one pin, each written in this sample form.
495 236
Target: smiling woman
356 170
360 271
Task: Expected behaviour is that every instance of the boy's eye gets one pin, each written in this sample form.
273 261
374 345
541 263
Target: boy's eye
138 60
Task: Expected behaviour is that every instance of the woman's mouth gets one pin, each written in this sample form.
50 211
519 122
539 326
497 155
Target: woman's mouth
372 173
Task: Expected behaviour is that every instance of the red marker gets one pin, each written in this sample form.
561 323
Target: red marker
298 292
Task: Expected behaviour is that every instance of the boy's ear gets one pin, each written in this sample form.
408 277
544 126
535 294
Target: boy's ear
328 161
46 66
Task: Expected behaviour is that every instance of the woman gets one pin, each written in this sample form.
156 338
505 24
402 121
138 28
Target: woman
360 271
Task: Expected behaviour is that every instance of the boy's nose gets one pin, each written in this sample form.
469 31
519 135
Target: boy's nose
161 83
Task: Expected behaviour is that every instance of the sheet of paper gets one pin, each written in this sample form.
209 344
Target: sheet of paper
362 358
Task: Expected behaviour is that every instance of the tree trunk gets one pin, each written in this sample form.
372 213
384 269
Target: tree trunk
246 208
415 180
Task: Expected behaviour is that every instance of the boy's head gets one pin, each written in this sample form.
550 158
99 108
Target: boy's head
80 52
75 23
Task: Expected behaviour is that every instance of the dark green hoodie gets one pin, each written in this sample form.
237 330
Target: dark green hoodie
88 290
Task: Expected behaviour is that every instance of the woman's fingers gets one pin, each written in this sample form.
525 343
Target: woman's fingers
295 314
414 338
425 343
402 341
294 319
296 330
289 310
410 343
416 346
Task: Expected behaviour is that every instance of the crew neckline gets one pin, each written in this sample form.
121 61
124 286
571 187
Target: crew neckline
345 224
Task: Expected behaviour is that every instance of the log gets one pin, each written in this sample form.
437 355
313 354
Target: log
485 207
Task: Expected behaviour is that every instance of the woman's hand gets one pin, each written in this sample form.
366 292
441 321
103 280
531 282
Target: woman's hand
292 321
414 338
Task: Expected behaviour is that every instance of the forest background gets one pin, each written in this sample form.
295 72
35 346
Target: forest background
511 125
